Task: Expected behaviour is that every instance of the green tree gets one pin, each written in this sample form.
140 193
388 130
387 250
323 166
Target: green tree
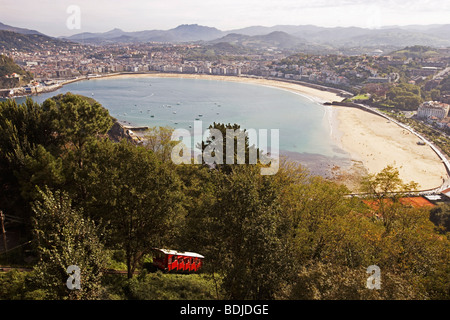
158 140
385 189
241 147
332 240
440 216
23 128
321 281
79 119
410 245
35 138
128 187
247 223
65 237
405 96
435 94
336 238
40 168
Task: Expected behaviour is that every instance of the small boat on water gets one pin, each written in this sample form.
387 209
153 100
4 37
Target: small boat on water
200 115
152 116
174 112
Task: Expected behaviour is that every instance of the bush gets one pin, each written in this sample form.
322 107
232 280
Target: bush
19 285
159 286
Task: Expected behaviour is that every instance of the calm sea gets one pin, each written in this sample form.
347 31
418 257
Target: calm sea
305 126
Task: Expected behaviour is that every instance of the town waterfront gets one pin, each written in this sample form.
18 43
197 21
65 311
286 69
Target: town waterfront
305 125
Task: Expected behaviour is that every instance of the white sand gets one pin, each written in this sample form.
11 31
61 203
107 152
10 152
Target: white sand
378 142
367 137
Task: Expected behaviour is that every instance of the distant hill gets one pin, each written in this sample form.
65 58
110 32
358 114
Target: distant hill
276 39
290 29
415 52
18 30
395 36
213 51
304 37
12 40
441 31
182 33
193 32
284 36
7 69
437 35
232 38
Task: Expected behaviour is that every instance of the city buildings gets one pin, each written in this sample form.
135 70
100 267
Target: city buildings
431 109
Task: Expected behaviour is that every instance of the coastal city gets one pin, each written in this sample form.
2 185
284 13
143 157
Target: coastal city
370 78
346 72
410 86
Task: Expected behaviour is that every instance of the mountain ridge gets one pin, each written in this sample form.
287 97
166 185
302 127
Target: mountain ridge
13 40
281 36
6 27
335 36
181 33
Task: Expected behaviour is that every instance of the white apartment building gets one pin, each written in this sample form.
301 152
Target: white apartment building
433 109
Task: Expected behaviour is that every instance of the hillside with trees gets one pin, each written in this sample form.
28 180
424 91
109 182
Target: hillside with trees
10 40
76 197
7 70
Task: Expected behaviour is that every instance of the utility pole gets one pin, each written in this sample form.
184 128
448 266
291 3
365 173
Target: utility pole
2 222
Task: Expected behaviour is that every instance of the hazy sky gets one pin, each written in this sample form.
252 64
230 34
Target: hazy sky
50 16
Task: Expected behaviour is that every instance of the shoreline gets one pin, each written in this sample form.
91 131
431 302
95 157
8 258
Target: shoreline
317 95
377 142
371 141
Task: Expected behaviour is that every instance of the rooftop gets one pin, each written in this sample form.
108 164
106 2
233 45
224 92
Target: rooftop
415 202
434 104
181 253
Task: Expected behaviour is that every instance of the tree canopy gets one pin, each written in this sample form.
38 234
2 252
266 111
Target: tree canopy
89 201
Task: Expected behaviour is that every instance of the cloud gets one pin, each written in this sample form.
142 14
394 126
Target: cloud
49 16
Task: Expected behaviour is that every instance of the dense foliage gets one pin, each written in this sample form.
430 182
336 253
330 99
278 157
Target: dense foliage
10 40
88 201
7 68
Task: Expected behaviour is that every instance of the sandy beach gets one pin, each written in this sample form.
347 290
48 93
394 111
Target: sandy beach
377 142
372 141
